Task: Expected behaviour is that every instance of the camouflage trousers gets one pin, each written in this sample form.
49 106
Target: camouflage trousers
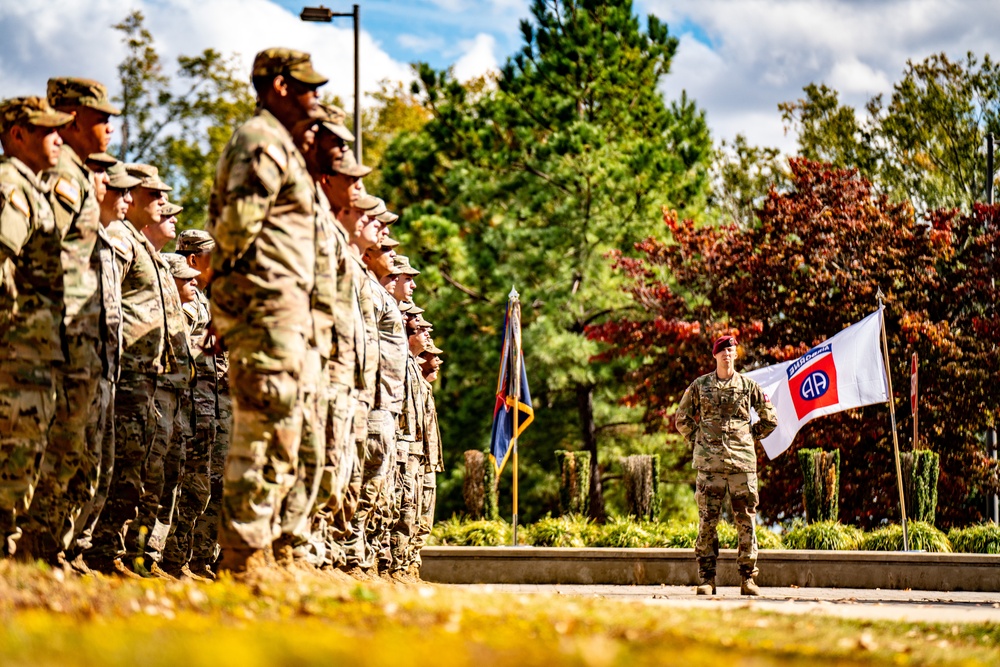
710 491
363 546
338 527
406 503
425 517
206 530
27 406
195 486
69 472
262 463
342 464
161 470
135 427
100 429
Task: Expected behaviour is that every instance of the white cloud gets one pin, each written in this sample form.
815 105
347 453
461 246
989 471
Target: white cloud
478 57
420 43
760 53
72 38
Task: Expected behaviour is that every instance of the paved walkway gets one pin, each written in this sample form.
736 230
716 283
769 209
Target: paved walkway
876 604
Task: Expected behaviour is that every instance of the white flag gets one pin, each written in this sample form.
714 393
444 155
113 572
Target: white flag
844 372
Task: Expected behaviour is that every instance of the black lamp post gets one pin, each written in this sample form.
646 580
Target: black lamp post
323 15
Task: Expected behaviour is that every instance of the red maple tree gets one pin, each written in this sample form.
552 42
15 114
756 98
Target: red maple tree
811 265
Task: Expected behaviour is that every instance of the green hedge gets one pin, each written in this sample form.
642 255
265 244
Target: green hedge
578 531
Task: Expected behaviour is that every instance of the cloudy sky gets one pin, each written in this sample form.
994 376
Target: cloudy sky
738 58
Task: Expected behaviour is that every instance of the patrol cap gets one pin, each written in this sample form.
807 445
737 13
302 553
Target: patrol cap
415 309
170 209
119 179
102 160
292 63
406 307
349 166
387 217
69 91
148 175
30 110
419 321
366 202
434 349
721 343
378 210
333 120
402 264
388 243
179 267
195 240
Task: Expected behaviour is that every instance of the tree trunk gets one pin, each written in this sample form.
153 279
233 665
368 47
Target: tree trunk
585 406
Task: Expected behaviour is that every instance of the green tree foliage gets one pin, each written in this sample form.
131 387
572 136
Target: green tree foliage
529 178
924 143
810 267
179 125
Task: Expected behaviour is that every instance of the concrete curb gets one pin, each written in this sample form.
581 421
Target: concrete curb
677 567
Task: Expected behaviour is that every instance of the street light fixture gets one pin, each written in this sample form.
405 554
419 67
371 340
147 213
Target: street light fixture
323 15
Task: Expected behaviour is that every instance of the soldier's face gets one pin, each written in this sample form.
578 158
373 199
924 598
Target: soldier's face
404 288
331 150
186 287
389 283
37 147
726 358
305 97
115 205
90 130
200 262
145 209
343 190
101 181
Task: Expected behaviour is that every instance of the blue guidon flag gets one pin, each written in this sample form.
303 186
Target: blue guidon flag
513 397
844 372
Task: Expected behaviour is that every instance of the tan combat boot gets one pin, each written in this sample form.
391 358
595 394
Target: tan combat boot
748 587
706 587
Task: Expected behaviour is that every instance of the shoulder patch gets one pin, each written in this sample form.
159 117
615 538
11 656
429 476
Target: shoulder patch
18 201
68 191
277 155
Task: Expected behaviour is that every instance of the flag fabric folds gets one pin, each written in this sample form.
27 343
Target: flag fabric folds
512 388
844 372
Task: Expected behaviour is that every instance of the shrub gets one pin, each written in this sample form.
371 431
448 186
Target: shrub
981 539
923 537
821 484
824 535
571 530
574 481
623 533
920 483
455 532
674 535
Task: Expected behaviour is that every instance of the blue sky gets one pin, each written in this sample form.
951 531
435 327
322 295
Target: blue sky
738 59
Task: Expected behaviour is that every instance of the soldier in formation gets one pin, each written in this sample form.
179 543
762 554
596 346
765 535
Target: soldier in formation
259 397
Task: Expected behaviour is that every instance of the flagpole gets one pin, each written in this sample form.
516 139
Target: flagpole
892 417
515 380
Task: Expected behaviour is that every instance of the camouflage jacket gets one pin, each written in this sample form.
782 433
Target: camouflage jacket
348 360
367 371
412 419
31 287
197 315
77 216
392 348
323 299
144 323
432 433
181 374
111 308
714 416
262 214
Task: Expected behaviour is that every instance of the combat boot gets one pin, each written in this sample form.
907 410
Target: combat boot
748 587
706 587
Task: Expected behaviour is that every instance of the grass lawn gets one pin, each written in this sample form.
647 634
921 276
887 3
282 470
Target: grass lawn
308 618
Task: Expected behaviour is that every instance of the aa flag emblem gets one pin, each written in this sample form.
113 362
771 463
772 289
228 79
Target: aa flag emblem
812 381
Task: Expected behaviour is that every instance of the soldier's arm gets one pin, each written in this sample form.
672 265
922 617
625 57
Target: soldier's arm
765 410
688 412
15 220
256 174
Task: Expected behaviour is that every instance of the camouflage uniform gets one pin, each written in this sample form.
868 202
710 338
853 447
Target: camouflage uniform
194 486
101 425
714 416
433 464
369 532
146 353
410 455
31 306
262 216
